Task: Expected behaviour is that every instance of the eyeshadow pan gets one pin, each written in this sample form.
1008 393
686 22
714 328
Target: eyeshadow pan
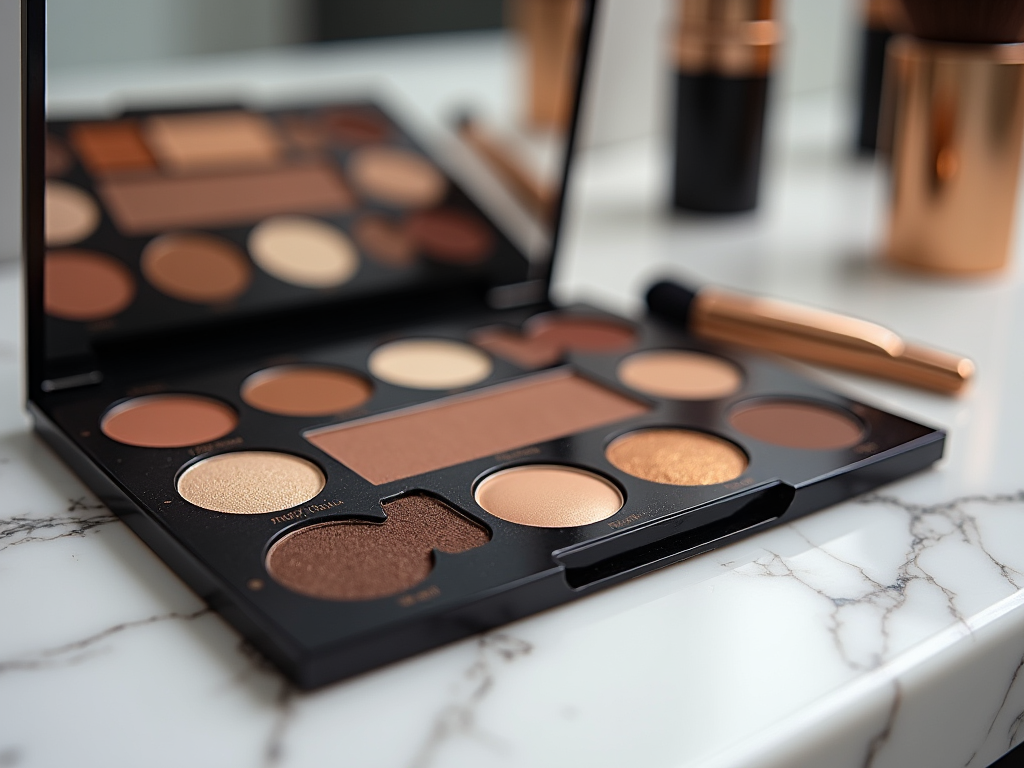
386 241
212 140
303 251
549 496
581 334
305 390
198 268
357 126
71 215
429 364
250 482
58 160
85 286
676 457
111 147
397 177
452 237
357 560
680 375
797 424
168 421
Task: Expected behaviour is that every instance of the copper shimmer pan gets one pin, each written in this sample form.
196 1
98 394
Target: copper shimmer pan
797 424
305 390
168 421
467 427
85 285
194 267
153 204
676 457
357 560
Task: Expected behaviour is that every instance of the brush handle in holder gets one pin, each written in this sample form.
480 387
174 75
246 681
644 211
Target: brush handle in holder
956 149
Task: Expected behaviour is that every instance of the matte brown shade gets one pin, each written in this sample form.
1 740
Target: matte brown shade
397 177
250 482
549 496
386 241
154 204
111 147
188 143
676 457
356 560
305 390
680 375
198 268
449 236
797 424
545 340
70 216
168 421
357 126
85 285
465 427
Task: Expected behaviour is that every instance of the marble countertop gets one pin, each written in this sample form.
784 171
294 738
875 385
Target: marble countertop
886 631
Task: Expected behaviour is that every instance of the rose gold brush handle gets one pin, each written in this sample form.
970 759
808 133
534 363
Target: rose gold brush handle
825 338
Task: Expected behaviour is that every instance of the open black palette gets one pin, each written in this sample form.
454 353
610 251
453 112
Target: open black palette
353 479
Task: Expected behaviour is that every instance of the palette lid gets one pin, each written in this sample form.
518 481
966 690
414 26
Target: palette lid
183 199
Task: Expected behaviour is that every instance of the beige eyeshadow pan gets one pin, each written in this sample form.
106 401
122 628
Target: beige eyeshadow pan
70 216
549 496
305 390
195 267
398 177
303 251
250 482
168 421
429 364
680 375
187 143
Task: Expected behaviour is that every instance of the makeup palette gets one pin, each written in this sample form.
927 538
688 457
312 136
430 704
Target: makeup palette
281 346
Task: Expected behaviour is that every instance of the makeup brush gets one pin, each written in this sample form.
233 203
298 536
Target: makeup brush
956 88
811 335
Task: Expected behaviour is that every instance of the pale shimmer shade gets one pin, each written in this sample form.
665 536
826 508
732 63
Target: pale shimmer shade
250 482
303 251
212 140
358 560
549 496
676 457
305 390
397 176
797 424
71 215
168 421
429 364
680 375
198 268
85 285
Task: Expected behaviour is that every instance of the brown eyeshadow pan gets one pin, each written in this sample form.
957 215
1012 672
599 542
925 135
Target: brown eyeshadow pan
676 457
797 424
85 285
385 240
450 236
111 147
545 339
168 421
305 390
357 560
198 268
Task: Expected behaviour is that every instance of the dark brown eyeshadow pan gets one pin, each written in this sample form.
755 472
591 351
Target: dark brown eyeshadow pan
357 560
452 237
797 424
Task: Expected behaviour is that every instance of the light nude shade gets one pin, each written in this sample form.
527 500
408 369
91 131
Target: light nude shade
148 205
85 285
198 268
111 147
305 390
250 482
680 375
676 457
549 496
188 143
471 426
303 251
429 364
797 424
397 177
168 421
70 216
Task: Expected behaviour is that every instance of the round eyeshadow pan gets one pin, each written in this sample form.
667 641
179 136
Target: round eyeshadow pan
549 496
250 482
680 375
197 268
85 285
452 237
168 421
303 251
71 215
429 364
305 390
397 177
673 456
581 334
797 424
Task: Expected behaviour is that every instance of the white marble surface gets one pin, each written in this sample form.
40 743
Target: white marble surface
886 631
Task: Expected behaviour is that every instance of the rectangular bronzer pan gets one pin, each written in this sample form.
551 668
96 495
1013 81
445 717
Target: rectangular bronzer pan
153 204
467 427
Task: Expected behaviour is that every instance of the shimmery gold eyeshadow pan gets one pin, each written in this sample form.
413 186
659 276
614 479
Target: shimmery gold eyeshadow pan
310 369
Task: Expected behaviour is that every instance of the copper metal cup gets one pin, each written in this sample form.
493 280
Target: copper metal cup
956 147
